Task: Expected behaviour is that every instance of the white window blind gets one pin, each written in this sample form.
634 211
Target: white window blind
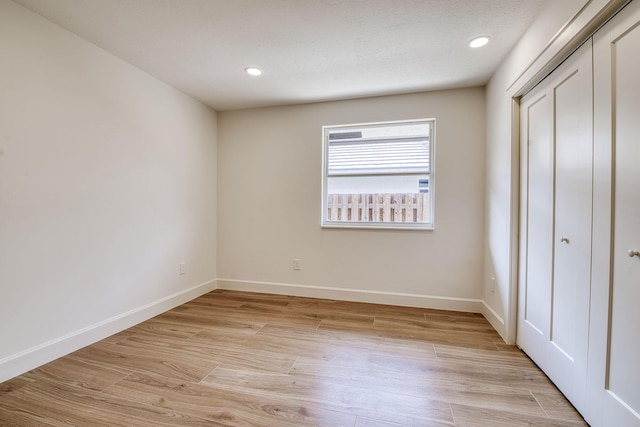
378 156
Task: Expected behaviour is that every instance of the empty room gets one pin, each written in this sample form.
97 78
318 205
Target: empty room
362 213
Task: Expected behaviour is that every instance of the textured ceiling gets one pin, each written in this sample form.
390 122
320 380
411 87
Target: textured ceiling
309 50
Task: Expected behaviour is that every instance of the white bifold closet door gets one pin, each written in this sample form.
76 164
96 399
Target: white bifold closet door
556 216
617 94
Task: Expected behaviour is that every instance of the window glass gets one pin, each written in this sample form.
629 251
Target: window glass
379 175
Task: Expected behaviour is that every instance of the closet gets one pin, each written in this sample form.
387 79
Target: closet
579 262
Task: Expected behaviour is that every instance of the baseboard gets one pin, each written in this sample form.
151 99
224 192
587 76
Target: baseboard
494 319
31 358
356 295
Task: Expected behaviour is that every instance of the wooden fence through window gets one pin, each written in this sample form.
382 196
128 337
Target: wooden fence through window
405 207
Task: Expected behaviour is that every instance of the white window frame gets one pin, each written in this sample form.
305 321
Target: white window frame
326 223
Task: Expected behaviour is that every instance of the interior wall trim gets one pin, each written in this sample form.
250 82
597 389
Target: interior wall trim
495 320
355 295
19 363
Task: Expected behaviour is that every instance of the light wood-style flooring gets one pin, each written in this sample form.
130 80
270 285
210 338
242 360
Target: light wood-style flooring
244 359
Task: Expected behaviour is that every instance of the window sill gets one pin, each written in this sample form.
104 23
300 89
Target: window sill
378 226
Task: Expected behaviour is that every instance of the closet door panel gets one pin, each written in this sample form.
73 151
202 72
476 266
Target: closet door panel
623 385
571 289
535 271
615 348
625 318
555 267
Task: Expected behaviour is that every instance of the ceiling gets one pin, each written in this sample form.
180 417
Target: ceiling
309 50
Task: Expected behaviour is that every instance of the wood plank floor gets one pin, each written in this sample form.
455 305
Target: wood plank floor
242 359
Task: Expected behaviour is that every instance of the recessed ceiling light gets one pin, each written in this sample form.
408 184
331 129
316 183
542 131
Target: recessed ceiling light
479 41
252 71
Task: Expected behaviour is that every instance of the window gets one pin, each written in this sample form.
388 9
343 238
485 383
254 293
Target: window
378 175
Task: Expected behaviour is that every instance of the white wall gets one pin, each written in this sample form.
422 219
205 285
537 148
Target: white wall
554 33
107 183
269 170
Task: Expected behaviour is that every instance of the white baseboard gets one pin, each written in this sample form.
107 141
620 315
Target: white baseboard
31 358
356 295
494 319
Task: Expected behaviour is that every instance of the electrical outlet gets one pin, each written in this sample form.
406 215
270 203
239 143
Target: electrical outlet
493 284
296 264
182 268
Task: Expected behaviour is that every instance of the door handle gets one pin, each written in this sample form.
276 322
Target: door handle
633 253
565 240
